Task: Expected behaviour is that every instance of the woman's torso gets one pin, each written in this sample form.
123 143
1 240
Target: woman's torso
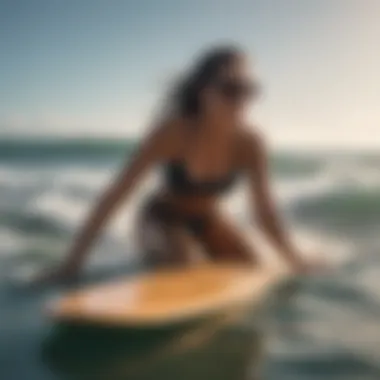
186 191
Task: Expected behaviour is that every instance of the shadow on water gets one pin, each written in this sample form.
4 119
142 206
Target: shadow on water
205 350
216 347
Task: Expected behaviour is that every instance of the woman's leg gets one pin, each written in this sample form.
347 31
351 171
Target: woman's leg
164 243
225 242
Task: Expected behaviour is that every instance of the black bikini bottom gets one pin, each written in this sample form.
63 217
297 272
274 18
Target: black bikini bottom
166 213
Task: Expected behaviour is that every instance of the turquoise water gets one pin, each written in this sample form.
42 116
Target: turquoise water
328 330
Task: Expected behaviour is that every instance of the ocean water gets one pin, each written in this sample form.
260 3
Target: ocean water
328 329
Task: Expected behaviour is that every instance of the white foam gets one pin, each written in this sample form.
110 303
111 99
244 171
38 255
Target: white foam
17 177
312 246
59 207
91 179
10 242
368 280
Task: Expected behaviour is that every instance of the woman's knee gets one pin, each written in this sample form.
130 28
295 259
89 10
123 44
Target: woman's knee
224 241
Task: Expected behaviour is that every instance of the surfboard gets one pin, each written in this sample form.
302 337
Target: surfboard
165 297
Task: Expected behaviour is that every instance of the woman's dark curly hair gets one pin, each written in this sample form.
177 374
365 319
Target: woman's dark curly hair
205 71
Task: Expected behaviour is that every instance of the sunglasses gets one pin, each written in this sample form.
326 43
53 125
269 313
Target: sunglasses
238 90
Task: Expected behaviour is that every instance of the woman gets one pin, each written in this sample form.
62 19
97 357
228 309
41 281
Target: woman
203 147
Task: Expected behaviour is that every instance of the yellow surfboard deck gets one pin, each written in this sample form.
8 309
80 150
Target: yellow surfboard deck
165 296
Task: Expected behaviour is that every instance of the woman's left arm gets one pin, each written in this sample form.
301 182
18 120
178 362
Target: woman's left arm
256 160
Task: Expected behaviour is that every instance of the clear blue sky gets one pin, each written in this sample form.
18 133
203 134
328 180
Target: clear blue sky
97 67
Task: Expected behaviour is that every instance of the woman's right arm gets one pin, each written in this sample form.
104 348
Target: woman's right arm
156 147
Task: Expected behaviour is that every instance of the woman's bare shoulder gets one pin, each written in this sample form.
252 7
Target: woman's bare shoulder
164 137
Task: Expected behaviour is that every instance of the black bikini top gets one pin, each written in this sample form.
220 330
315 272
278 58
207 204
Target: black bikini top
179 181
